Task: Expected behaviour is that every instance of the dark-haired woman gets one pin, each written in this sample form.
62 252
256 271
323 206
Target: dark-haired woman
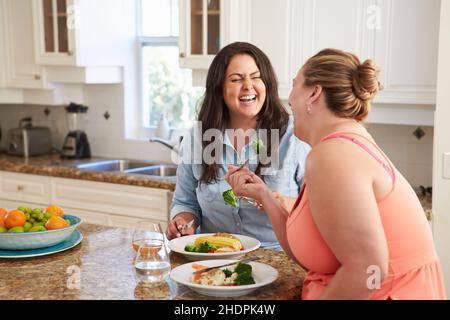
241 97
357 226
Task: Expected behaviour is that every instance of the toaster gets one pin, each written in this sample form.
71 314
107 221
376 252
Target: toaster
29 141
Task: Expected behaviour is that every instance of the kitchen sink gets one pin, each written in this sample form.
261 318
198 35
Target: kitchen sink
131 167
163 170
114 165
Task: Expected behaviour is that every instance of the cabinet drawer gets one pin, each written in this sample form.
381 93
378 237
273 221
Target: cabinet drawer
11 205
122 200
89 216
25 187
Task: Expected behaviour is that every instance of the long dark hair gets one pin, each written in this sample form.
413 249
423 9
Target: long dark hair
214 112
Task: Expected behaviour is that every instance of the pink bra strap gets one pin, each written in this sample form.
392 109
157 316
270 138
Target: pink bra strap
389 169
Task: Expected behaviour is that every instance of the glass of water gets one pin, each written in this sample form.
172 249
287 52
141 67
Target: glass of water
152 263
146 230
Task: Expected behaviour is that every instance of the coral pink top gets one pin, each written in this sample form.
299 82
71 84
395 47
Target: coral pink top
414 267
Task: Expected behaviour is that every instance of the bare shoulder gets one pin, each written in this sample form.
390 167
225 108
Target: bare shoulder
334 156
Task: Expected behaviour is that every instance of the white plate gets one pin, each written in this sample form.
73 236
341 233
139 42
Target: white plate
262 273
178 244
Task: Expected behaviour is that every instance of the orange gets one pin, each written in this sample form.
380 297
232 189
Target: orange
56 222
14 218
2 215
55 210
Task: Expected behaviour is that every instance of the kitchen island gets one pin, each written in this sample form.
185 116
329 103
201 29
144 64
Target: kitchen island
100 267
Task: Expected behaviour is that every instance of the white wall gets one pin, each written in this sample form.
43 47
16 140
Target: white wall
441 186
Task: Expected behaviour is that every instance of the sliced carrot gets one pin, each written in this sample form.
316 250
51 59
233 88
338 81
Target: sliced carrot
196 277
198 266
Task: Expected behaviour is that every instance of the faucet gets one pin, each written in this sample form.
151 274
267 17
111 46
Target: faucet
166 143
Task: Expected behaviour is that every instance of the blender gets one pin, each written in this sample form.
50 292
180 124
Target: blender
76 145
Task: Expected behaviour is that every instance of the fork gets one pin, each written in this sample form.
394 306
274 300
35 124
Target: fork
249 200
185 226
245 260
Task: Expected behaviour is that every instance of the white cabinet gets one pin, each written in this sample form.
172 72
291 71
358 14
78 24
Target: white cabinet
95 202
406 47
21 69
334 24
205 27
82 32
111 198
200 32
24 187
271 28
7 95
54 31
49 49
401 36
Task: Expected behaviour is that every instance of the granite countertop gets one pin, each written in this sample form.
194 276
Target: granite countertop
103 261
425 200
53 165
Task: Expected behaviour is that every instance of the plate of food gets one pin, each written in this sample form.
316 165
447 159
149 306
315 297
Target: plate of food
230 281
214 246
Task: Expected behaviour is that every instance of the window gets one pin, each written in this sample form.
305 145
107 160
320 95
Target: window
166 88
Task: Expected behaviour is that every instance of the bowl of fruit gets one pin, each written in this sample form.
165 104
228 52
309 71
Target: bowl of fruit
26 228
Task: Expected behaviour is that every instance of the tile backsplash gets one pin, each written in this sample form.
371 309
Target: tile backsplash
10 116
413 157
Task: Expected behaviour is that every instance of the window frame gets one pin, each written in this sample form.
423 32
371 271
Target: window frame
142 42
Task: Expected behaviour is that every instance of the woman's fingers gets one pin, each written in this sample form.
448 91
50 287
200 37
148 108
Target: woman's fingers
173 229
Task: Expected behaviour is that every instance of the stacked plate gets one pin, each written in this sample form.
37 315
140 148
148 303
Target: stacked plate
263 274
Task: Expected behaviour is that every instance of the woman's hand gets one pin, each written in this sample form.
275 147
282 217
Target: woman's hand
287 203
246 183
175 230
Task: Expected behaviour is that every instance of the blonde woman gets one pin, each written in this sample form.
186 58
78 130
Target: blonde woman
357 226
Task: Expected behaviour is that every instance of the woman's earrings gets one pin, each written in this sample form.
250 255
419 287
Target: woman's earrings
308 109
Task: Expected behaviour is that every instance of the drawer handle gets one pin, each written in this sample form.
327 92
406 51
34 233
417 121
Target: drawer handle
20 187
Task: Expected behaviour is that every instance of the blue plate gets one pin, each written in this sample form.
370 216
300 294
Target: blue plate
74 239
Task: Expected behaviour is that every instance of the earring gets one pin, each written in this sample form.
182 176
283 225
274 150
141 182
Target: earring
308 109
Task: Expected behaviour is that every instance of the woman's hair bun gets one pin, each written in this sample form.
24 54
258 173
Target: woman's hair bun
365 80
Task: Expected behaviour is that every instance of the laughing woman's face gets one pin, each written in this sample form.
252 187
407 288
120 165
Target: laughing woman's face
244 91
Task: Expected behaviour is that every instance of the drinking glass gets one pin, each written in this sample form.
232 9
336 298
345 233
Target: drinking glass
152 263
146 230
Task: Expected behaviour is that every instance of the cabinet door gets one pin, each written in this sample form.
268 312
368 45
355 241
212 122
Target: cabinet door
275 28
54 23
201 36
22 71
330 24
406 50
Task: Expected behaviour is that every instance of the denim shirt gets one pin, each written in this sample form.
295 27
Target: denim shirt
205 200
